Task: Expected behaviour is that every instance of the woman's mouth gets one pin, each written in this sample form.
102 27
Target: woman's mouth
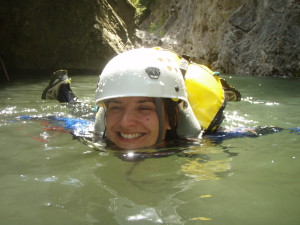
131 135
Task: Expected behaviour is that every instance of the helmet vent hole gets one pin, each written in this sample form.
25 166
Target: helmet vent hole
176 88
153 72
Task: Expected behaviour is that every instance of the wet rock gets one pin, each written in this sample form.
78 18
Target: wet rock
76 35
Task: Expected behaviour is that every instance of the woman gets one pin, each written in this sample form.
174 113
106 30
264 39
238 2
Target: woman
143 101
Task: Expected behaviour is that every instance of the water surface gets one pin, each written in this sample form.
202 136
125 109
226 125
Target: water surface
47 177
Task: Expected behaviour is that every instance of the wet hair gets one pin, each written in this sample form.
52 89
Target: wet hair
171 111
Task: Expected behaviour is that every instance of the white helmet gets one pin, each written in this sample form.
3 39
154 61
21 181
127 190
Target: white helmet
145 72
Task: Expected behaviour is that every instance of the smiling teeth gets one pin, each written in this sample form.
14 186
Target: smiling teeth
131 136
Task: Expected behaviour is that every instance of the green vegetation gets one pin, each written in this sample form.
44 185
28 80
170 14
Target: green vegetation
141 5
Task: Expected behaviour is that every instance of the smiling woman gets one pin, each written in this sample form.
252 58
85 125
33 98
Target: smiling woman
143 100
151 97
132 122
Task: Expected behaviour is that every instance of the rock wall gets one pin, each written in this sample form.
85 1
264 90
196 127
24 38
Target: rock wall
50 34
252 37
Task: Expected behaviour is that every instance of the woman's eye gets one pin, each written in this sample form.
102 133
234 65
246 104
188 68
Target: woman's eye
114 108
145 108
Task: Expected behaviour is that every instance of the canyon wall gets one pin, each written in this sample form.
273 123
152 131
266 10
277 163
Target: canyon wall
47 35
250 37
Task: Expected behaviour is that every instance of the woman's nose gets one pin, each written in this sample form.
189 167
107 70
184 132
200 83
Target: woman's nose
128 118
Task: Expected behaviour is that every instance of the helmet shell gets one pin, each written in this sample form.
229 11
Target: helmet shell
144 72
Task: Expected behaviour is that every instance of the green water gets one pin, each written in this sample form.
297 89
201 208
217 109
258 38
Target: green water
46 177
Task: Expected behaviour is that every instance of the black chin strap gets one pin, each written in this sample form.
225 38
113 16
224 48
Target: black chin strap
158 104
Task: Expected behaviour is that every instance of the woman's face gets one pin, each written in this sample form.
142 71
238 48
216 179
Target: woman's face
132 122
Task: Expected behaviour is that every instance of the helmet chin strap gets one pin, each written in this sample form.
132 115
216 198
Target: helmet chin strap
158 103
